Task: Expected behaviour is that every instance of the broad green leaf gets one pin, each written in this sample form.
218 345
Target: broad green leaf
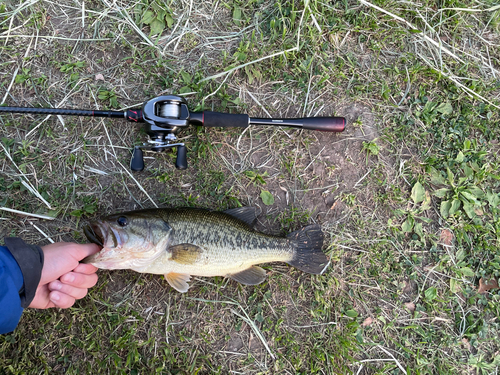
76 213
426 204
441 193
371 147
468 171
351 313
148 17
466 271
259 317
430 294
469 197
267 197
419 229
460 157
407 225
170 21
455 205
451 176
477 192
186 77
417 193
436 177
445 209
493 199
454 285
237 15
469 209
445 108
157 26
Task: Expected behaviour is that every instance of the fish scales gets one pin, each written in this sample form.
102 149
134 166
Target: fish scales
228 244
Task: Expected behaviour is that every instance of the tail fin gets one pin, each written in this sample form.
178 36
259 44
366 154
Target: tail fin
308 256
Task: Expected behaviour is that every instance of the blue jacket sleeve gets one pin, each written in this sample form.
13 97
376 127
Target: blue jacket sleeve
11 279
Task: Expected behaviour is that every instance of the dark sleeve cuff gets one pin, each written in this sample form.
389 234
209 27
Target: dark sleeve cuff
30 261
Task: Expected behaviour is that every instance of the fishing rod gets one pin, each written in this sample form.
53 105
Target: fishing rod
165 116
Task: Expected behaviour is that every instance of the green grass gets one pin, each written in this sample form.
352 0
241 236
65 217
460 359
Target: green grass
408 195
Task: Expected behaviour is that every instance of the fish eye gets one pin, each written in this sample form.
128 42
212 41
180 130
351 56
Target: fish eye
122 221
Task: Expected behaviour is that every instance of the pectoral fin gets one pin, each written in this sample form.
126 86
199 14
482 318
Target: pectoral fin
185 253
251 276
178 281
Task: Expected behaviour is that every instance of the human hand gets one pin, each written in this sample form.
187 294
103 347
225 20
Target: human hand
64 279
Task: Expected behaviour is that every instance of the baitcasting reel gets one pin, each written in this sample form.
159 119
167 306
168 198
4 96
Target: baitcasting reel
164 116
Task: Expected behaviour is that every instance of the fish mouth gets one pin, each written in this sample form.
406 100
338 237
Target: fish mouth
94 234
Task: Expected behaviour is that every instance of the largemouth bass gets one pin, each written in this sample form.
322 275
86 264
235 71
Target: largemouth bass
182 242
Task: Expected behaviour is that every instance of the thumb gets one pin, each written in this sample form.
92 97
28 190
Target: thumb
82 251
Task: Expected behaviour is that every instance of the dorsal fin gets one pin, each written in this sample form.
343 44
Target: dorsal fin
246 214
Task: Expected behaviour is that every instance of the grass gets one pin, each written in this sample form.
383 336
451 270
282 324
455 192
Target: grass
407 196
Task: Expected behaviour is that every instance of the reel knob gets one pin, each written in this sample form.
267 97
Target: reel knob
181 161
137 161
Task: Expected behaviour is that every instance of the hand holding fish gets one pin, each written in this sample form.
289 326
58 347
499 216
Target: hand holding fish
179 243
64 279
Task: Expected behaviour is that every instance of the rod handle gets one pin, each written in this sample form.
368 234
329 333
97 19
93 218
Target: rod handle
224 120
324 124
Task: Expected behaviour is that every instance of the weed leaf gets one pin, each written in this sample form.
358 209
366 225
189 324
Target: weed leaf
157 26
430 294
148 17
455 205
445 209
351 313
493 199
436 177
417 193
466 271
441 193
267 197
445 108
454 285
237 15
407 225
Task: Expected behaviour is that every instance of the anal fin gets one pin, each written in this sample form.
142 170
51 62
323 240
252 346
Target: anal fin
251 276
178 281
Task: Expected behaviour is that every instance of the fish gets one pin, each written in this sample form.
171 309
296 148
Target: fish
183 242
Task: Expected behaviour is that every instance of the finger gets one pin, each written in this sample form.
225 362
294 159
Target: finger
76 293
79 280
61 300
85 250
85 268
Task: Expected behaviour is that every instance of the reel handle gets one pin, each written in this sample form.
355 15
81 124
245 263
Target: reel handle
181 160
137 161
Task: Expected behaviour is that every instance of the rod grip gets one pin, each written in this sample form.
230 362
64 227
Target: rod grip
225 120
324 124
